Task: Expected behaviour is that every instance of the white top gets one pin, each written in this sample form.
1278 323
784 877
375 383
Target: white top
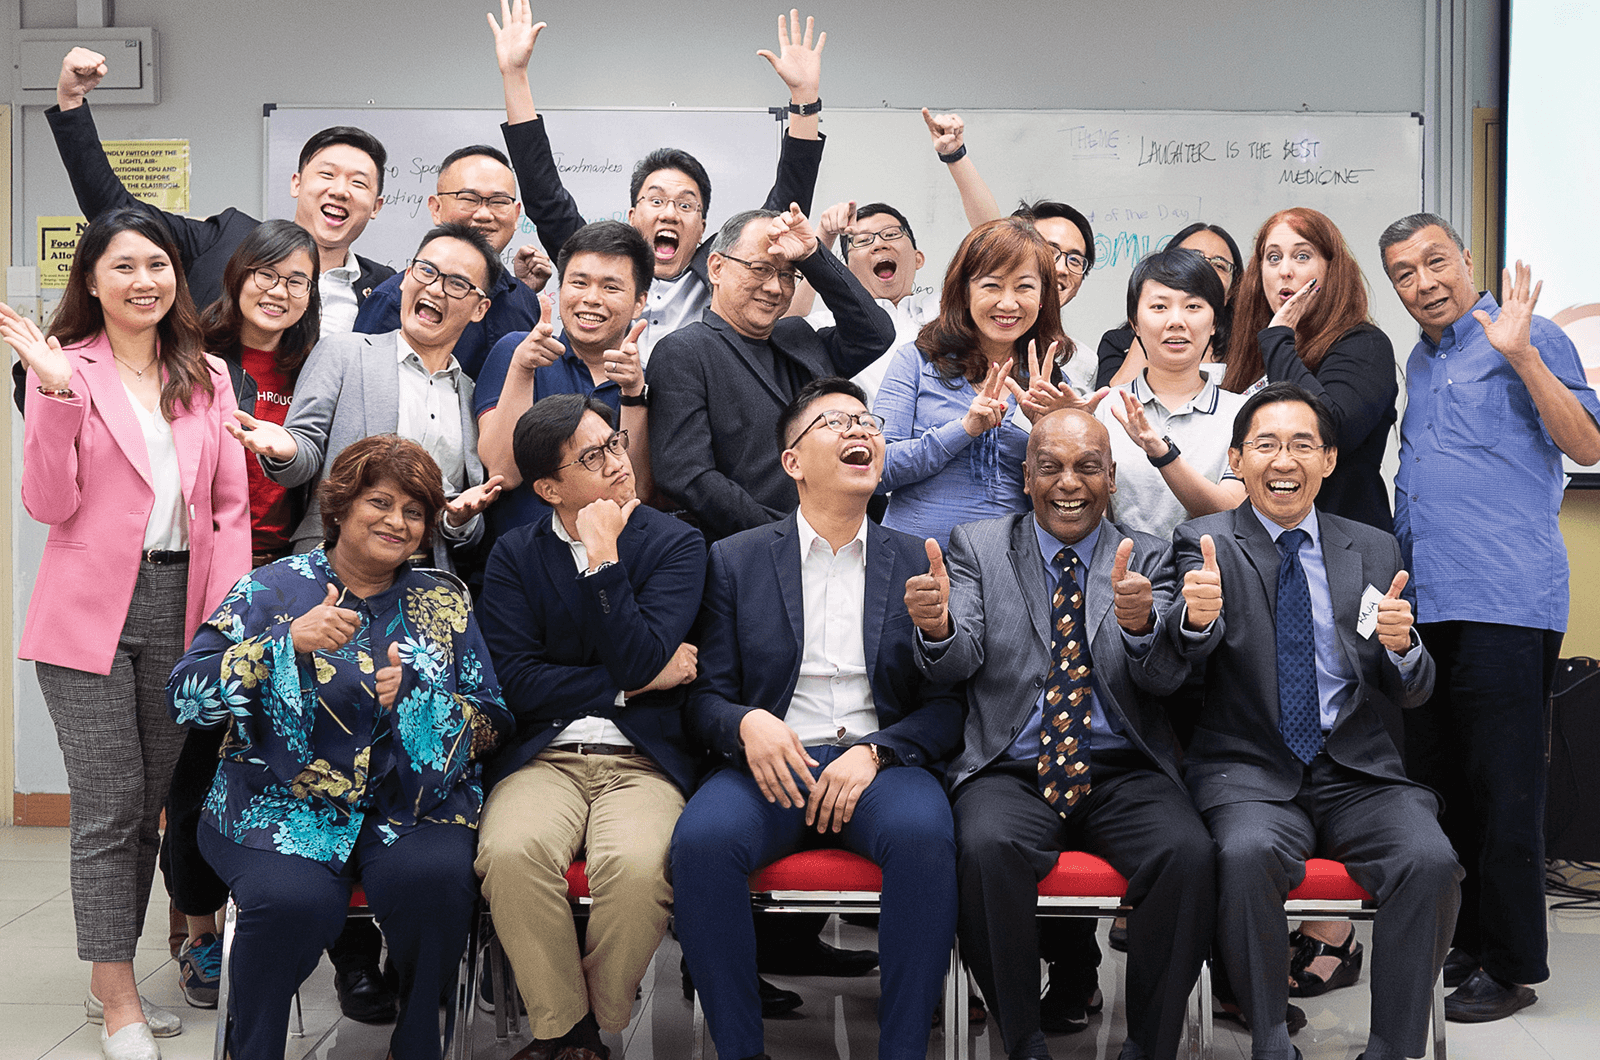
909 316
669 306
588 729
430 415
338 290
832 701
168 528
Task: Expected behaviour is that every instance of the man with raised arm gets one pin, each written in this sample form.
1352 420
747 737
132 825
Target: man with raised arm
670 193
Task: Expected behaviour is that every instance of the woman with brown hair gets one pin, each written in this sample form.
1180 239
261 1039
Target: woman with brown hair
1302 318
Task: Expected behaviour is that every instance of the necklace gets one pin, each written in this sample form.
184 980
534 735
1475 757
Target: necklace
138 373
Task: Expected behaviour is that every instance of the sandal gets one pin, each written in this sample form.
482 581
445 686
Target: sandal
1307 949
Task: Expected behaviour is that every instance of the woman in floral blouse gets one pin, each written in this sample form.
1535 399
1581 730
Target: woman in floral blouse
359 700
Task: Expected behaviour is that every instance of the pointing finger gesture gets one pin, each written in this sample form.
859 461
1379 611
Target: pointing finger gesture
947 130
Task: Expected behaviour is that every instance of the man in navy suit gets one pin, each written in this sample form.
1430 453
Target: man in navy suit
585 612
827 732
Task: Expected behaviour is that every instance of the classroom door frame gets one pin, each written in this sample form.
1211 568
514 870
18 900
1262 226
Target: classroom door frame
8 665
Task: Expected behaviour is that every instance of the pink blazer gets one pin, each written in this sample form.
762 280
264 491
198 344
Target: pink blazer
86 472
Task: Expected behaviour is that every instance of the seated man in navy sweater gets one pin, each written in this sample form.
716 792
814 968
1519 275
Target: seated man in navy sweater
585 612
812 703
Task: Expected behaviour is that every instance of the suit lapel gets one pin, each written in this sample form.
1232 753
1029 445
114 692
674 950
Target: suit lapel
557 557
1029 570
880 578
1259 551
786 564
1344 568
736 343
380 383
111 398
189 439
1098 593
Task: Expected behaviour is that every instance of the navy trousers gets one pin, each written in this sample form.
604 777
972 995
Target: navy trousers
421 889
729 830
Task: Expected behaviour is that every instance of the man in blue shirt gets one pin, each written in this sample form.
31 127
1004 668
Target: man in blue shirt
1494 397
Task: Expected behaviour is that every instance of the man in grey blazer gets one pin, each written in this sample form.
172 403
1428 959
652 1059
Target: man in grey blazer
1297 618
1005 618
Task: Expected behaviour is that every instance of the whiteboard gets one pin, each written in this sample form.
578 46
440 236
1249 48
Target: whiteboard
594 149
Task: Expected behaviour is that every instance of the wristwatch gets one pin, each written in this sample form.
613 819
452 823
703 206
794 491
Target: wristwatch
643 398
805 110
1169 456
882 757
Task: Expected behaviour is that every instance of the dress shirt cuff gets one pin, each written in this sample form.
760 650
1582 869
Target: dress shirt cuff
467 531
1408 662
1193 635
1138 645
934 648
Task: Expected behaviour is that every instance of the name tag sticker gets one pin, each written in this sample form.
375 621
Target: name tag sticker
1367 620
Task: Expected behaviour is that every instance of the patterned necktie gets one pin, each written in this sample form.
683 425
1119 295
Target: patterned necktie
1299 719
1064 719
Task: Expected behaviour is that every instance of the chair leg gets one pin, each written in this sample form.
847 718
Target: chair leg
963 1009
952 991
1438 1018
460 1040
1201 1044
297 1025
697 1030
502 1006
230 922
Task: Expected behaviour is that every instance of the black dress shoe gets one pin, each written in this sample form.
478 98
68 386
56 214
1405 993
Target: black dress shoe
776 1001
1483 999
1064 1011
815 957
1458 965
363 996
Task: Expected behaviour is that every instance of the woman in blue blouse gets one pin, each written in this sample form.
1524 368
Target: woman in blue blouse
359 700
955 445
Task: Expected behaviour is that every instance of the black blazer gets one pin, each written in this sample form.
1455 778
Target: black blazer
564 644
713 409
752 635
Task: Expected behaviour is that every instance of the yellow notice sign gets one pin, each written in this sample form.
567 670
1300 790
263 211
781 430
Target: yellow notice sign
58 242
154 171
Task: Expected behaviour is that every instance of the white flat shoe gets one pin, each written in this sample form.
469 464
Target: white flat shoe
133 1042
163 1024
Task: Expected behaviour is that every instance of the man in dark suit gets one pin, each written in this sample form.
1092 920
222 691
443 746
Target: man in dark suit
585 612
810 699
1306 643
1036 610
717 385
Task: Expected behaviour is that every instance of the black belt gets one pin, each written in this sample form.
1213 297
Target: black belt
161 555
594 748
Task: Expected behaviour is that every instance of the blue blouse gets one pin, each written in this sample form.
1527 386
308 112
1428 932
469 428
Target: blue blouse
939 474
309 753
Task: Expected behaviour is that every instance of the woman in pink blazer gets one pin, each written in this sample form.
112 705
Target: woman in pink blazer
126 458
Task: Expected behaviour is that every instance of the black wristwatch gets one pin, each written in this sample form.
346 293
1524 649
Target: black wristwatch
1169 456
805 110
642 400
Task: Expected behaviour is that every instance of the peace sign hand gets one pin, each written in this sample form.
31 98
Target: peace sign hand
1044 397
988 409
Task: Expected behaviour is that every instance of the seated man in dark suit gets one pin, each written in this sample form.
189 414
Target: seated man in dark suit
585 613
810 698
1037 609
1296 617
717 385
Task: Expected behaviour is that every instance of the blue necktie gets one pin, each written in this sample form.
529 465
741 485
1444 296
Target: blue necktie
1299 719
1064 721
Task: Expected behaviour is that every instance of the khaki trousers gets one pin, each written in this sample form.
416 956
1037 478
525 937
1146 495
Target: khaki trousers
618 811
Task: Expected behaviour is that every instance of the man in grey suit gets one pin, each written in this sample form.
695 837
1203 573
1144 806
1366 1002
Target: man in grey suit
1048 608
1296 616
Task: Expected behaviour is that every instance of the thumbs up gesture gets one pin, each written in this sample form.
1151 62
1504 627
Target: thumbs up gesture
1131 596
539 348
623 366
928 596
388 679
1394 617
1202 589
326 627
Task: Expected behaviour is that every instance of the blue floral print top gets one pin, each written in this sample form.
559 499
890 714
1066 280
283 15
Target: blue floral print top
309 753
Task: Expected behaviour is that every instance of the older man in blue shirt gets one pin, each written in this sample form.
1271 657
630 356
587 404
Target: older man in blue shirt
1495 396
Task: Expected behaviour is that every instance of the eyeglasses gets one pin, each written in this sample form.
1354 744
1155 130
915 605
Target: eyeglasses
866 239
1076 263
1222 265
1299 448
594 457
472 200
425 272
838 422
687 207
764 273
298 285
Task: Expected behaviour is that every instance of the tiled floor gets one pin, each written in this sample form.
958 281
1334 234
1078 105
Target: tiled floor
42 986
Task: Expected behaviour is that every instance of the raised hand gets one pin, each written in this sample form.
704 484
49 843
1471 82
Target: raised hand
1394 617
1508 333
928 596
776 757
790 236
43 356
1134 420
514 36
624 366
539 348
839 787
262 437
532 267
988 409
1294 307
1131 595
947 130
326 627
838 219
388 679
81 71
472 500
1044 397
1202 589
797 61
680 670
600 523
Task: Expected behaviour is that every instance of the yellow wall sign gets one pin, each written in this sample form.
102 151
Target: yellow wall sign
58 242
153 171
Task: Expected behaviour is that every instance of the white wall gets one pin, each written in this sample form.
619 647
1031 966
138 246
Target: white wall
220 60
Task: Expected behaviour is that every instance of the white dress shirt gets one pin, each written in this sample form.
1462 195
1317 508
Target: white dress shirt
909 315
337 287
168 527
832 702
430 415
669 306
587 729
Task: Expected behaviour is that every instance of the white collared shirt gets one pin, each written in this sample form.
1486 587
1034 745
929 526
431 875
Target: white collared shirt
168 526
588 729
430 415
832 702
337 287
669 306
909 315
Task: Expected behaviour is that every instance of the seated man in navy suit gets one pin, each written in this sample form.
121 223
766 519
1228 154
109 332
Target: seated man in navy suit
585 612
826 731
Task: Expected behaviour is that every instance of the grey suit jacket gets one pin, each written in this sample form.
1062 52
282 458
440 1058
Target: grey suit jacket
348 390
1000 611
1237 753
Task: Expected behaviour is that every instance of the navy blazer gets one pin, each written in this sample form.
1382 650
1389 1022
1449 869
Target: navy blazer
564 644
752 634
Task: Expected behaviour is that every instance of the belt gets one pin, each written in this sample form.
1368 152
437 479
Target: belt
161 555
594 748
